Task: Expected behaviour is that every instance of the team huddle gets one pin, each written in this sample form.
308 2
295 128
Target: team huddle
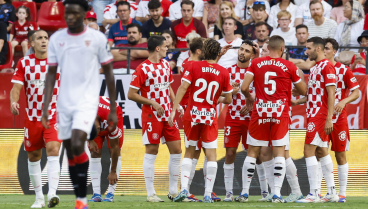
64 106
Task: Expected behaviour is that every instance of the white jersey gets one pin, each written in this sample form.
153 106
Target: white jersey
175 9
231 57
79 58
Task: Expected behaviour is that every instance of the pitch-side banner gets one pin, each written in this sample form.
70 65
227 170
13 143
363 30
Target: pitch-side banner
357 110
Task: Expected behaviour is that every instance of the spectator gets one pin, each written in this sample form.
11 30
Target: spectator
184 55
99 7
226 10
171 56
264 52
348 31
20 28
93 25
7 13
298 55
230 58
303 15
281 5
111 17
284 20
337 13
136 56
143 14
118 32
187 24
156 24
358 61
210 16
3 43
261 32
244 9
175 8
90 17
320 26
30 39
258 14
299 2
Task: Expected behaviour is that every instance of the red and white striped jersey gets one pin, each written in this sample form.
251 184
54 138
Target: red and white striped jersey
103 114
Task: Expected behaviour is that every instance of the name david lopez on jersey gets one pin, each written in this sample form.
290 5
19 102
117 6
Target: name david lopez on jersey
272 62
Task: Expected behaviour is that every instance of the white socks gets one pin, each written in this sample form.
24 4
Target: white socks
205 171
269 165
228 177
149 172
262 177
95 173
312 170
248 173
327 169
34 170
192 172
343 178
319 177
112 188
186 167
174 172
279 174
210 177
53 174
292 176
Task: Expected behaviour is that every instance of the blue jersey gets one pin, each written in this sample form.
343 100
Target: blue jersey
118 32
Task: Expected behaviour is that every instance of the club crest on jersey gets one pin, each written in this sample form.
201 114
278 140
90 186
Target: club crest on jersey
342 136
186 73
88 42
28 143
311 127
61 44
155 136
25 28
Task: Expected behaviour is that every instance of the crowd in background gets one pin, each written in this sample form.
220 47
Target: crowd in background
130 23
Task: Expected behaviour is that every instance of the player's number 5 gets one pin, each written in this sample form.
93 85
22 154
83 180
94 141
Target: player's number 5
267 81
211 85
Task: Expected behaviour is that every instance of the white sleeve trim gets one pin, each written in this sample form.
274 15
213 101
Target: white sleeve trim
227 91
134 87
19 82
186 80
248 72
352 89
330 84
297 81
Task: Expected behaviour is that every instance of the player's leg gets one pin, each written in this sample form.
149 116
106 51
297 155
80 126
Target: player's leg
292 178
96 167
343 171
24 45
266 157
14 43
262 177
111 189
191 197
53 171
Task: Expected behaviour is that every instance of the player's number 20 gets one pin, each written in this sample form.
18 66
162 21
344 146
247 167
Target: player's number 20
210 86
268 81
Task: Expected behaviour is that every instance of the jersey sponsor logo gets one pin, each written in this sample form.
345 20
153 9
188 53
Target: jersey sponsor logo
353 79
273 62
155 136
182 38
331 76
161 86
133 77
120 38
268 120
37 83
311 127
210 70
270 104
342 136
203 112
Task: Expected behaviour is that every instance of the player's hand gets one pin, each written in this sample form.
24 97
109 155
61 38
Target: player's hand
256 48
112 120
45 120
93 146
113 178
339 107
295 92
244 110
159 109
328 126
236 88
249 103
180 110
14 108
171 118
360 60
294 103
224 50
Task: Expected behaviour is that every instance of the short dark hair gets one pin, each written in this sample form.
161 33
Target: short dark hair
132 25
229 18
196 43
28 12
276 42
122 3
301 26
30 33
154 4
317 41
211 49
81 3
154 41
257 7
260 24
171 34
250 43
333 42
34 33
187 2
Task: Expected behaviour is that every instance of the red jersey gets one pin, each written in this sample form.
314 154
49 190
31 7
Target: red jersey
321 75
185 65
103 113
153 80
31 72
344 80
20 31
181 31
210 80
165 4
272 81
359 68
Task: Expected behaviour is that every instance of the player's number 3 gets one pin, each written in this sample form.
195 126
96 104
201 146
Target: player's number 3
268 81
211 85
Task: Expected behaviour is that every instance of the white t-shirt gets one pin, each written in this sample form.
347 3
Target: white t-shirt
182 57
299 2
79 58
240 6
175 10
272 18
289 36
326 30
356 31
304 12
110 13
231 57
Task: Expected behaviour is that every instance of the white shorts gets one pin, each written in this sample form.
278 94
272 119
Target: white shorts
79 119
186 142
275 143
209 145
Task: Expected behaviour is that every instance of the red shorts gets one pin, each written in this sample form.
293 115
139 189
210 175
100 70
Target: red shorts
201 135
20 40
105 135
153 131
316 132
269 131
340 137
233 131
36 136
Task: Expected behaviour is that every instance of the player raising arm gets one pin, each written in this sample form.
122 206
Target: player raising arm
78 51
270 119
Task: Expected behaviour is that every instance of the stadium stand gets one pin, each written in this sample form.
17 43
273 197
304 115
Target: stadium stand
52 16
9 58
31 5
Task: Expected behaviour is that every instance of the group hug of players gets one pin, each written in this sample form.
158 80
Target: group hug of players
258 91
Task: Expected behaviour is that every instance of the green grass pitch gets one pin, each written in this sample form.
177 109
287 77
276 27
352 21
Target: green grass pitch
67 201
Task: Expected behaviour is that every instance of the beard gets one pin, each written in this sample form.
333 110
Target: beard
244 60
313 56
133 42
318 16
261 40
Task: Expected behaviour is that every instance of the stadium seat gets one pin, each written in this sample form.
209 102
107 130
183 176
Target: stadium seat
52 16
9 58
31 5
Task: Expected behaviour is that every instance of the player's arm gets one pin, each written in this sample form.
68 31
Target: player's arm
49 88
301 86
223 51
110 81
299 101
14 98
226 98
248 78
352 97
306 65
134 96
114 144
109 21
331 105
179 96
135 53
